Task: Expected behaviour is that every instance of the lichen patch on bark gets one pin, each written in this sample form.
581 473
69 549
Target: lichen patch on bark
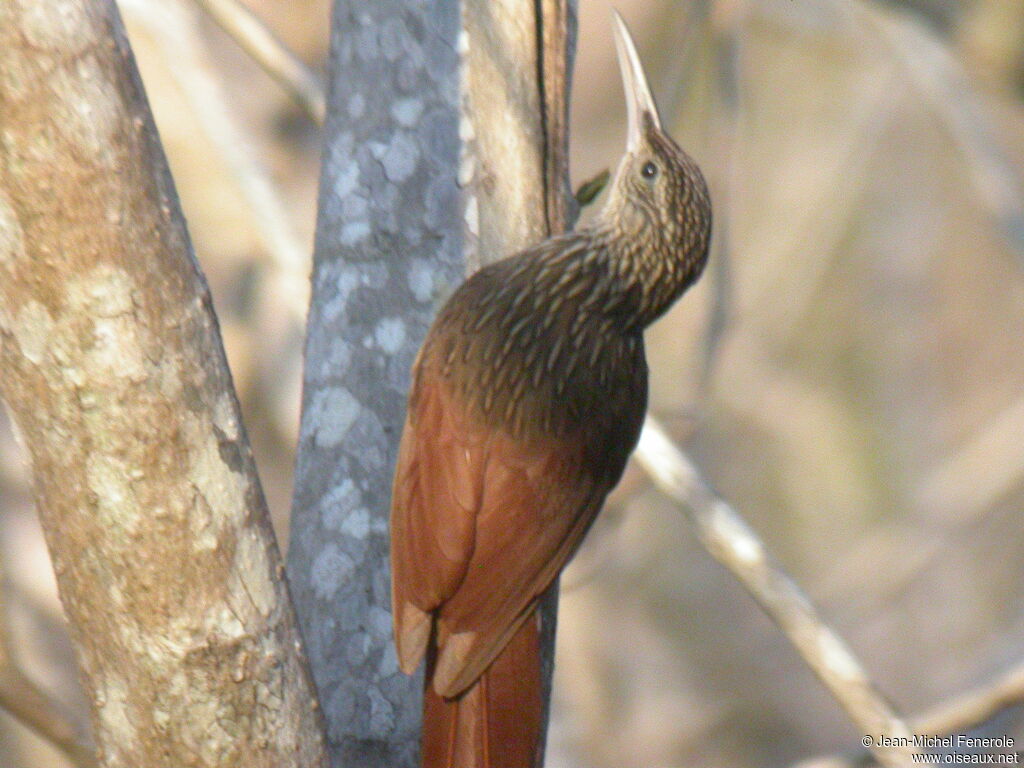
12 243
33 330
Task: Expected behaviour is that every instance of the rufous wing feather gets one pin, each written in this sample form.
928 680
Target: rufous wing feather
434 501
481 524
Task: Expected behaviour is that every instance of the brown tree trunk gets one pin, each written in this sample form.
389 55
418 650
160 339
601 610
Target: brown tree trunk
112 366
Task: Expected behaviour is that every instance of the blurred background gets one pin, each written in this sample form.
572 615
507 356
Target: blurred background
849 374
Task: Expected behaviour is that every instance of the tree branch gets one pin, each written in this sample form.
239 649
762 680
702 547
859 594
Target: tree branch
960 714
23 700
973 708
729 539
114 371
256 39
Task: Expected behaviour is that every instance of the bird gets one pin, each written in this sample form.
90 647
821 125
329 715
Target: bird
527 397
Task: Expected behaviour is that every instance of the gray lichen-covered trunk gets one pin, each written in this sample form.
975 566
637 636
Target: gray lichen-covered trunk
444 150
112 367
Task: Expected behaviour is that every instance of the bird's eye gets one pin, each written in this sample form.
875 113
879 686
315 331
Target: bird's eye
649 171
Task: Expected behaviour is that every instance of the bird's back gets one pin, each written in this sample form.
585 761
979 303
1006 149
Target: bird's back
549 350
528 397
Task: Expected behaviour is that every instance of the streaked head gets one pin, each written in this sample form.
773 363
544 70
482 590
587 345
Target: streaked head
658 197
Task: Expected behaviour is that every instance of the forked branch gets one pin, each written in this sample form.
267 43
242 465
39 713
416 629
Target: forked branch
731 541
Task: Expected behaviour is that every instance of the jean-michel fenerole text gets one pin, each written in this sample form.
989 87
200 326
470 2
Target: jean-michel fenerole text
955 741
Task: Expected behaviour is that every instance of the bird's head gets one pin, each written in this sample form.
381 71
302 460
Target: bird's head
658 201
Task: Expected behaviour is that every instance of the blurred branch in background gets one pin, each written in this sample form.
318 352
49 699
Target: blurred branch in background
729 539
256 39
725 119
27 703
992 459
174 27
989 39
20 697
965 486
930 67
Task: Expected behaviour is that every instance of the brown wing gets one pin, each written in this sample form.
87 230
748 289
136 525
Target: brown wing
538 502
481 524
434 502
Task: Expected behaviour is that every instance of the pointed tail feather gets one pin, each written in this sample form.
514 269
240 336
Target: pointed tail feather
497 722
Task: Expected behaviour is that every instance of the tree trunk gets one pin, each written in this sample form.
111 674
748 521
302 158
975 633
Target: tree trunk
444 150
114 372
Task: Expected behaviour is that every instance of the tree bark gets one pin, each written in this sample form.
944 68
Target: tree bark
116 378
388 247
443 151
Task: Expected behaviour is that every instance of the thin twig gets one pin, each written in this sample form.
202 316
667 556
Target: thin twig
22 699
959 714
731 541
256 39
969 710
29 705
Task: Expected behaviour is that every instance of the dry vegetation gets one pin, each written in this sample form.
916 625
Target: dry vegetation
849 375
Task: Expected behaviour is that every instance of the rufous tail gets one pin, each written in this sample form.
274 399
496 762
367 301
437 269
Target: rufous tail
497 722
